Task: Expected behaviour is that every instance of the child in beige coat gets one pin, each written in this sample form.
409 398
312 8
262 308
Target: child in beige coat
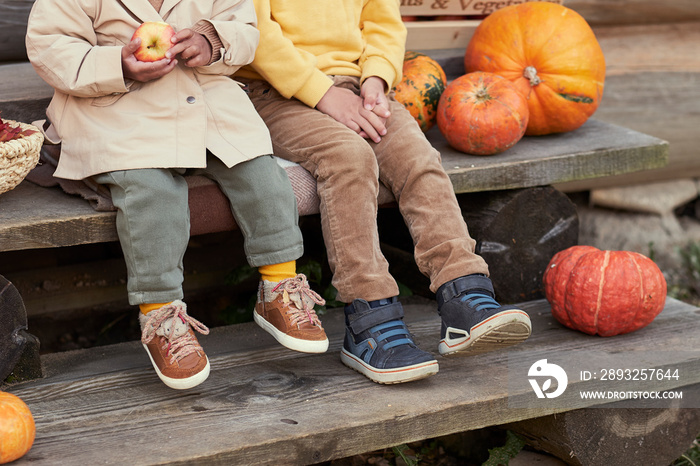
138 127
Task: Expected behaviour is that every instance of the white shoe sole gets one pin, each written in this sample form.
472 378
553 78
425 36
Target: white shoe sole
507 328
296 344
181 384
389 376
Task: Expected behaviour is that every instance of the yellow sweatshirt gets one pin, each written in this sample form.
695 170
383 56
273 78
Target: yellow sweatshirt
302 42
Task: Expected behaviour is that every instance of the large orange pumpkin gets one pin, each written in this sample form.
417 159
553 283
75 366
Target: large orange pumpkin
482 114
17 428
604 292
552 56
420 88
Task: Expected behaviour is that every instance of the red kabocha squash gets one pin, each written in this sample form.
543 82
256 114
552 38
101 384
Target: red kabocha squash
552 56
604 292
17 428
482 114
420 88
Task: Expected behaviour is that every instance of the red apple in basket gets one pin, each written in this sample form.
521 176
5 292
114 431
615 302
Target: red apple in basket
155 40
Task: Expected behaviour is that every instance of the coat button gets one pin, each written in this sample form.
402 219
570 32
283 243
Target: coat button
191 99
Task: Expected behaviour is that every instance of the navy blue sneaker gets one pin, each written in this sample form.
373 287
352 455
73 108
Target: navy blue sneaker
379 346
472 320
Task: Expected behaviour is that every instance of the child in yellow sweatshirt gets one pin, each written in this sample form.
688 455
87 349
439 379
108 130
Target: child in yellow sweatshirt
320 80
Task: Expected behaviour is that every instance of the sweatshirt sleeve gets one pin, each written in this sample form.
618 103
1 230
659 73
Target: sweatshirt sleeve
385 36
290 70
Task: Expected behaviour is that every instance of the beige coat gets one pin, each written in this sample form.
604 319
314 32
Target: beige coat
107 124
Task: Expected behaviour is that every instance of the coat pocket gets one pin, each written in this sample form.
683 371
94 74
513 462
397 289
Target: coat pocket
109 99
106 100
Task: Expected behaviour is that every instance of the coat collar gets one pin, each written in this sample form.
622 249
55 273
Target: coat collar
143 10
167 6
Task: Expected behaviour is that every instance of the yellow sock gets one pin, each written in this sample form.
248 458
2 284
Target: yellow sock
146 308
278 272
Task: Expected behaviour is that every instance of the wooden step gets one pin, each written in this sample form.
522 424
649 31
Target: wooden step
34 217
263 404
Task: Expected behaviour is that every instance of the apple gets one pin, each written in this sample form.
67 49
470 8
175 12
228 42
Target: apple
155 40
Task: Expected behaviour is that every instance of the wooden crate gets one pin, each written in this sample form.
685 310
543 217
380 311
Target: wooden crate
447 24
458 7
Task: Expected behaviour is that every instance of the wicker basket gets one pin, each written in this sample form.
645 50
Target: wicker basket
19 156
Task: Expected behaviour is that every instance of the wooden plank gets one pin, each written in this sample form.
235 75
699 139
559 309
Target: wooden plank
595 149
666 105
652 86
102 283
34 217
19 81
659 48
432 35
24 96
609 12
263 404
13 27
627 49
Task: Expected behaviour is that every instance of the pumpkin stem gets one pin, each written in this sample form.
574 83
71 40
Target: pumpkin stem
482 94
531 73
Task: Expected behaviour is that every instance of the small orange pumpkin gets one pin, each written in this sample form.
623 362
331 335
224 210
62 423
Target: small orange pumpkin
17 428
552 56
603 292
482 114
420 89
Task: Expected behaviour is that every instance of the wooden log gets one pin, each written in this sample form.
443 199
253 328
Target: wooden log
14 318
517 233
28 365
613 436
13 335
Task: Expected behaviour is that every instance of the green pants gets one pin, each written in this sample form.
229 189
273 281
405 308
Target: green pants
153 221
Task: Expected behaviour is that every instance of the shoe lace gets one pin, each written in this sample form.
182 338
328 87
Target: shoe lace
300 285
176 346
481 302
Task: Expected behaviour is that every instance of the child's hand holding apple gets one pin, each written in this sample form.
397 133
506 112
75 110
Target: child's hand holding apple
190 46
154 46
159 40
144 58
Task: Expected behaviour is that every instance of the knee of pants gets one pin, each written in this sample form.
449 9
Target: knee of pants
354 162
151 196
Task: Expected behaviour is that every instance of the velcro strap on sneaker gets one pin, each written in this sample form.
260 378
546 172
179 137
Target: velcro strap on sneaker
378 315
459 285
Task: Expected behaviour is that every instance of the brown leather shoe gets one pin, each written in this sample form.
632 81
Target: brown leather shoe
172 346
286 311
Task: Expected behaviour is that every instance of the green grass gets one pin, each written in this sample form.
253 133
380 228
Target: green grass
690 457
685 284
